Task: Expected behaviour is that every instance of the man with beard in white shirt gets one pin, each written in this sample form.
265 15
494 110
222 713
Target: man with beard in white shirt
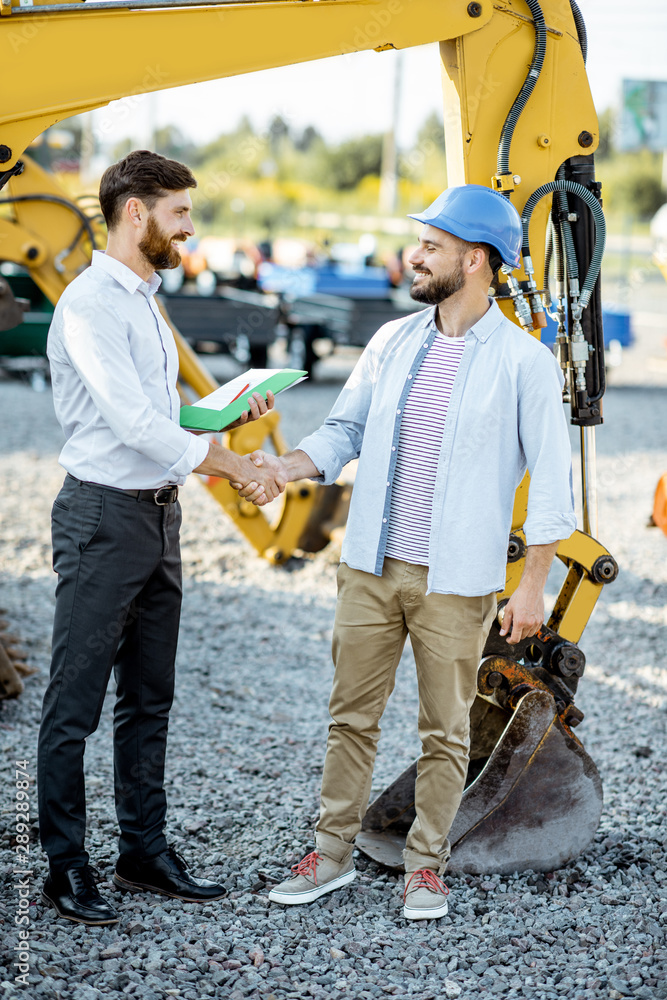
115 526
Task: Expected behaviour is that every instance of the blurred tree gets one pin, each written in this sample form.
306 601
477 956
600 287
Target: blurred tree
642 193
608 123
344 166
121 149
278 134
432 130
309 137
225 145
426 162
170 141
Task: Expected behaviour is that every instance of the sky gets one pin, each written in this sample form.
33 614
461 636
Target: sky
352 95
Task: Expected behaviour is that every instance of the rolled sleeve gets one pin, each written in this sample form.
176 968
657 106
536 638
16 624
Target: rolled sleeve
323 456
192 457
549 528
546 445
339 439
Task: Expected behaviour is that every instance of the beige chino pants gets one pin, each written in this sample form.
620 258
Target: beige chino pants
374 616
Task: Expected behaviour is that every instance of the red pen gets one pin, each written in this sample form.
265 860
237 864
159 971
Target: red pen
240 393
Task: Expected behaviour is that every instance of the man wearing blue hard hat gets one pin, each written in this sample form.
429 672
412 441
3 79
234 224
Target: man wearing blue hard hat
445 410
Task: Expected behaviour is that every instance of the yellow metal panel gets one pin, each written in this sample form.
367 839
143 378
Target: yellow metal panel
482 75
41 231
580 591
483 72
139 53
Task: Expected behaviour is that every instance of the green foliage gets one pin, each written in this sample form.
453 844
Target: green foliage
344 166
608 123
642 193
256 183
426 161
632 184
170 141
432 131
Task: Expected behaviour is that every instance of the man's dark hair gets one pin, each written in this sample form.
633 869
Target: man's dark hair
141 174
494 258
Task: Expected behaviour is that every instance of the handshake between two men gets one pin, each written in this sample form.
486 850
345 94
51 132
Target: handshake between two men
259 477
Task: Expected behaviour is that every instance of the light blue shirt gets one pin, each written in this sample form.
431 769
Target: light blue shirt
505 415
114 366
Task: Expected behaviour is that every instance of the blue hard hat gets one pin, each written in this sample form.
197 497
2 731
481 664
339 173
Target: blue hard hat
479 215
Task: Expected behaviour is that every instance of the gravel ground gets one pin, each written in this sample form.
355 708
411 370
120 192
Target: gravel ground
246 748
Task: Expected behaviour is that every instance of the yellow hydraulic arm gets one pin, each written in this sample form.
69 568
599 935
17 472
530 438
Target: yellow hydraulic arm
65 58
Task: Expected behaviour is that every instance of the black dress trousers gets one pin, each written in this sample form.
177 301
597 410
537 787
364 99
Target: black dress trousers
118 602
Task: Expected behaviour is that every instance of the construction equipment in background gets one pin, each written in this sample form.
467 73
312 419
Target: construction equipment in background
520 118
525 759
13 666
658 516
308 513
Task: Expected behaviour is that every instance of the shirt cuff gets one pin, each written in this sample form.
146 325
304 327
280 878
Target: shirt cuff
323 457
192 457
549 528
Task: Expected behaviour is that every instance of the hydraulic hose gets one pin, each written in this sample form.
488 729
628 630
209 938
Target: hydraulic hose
515 112
553 251
581 28
566 230
600 228
559 255
548 254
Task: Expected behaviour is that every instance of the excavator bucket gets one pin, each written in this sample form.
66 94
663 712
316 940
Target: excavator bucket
533 796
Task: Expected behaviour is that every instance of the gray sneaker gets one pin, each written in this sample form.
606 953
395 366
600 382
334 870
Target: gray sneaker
425 895
312 877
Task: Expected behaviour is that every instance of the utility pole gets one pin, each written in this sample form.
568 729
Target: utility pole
389 171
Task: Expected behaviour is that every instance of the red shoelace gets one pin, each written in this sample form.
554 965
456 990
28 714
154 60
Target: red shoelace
308 865
426 879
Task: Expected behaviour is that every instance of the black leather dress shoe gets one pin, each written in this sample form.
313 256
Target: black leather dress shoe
167 874
73 894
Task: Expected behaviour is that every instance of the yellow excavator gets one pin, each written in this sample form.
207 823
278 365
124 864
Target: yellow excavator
519 118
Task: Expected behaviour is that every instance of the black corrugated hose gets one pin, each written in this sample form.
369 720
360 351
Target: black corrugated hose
600 228
86 225
571 264
507 133
581 28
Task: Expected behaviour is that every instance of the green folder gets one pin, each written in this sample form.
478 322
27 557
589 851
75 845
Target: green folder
200 418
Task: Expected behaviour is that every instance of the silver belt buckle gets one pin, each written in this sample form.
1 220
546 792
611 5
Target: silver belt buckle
166 495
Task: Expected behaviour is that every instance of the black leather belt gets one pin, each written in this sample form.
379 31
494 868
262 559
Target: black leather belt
162 496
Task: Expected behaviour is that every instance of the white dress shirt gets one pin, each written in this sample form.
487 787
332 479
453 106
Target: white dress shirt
114 366
505 414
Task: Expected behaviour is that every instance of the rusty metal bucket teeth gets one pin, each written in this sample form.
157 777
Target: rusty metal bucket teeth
535 804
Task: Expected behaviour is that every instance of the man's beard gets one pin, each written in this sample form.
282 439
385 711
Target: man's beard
156 246
436 290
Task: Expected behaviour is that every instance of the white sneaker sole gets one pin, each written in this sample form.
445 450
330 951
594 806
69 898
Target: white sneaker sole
309 895
412 913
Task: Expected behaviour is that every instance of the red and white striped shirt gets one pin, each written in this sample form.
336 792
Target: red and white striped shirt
422 427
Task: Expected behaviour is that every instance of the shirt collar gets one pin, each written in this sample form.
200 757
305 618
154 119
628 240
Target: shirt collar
125 276
489 322
482 329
